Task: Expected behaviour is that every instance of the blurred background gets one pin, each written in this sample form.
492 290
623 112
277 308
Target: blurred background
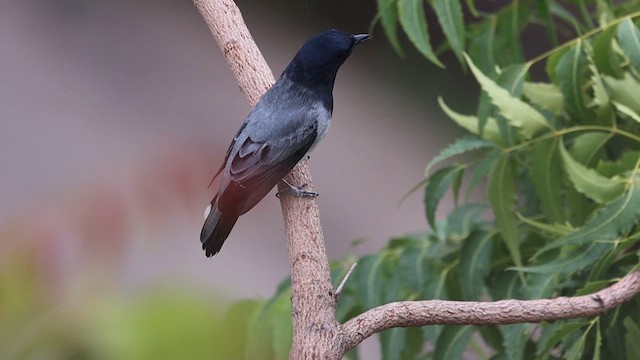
114 116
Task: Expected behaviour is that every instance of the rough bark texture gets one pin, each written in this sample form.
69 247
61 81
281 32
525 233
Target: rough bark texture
316 333
225 21
312 299
439 312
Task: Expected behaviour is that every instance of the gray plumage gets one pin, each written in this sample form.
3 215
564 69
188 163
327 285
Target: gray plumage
288 121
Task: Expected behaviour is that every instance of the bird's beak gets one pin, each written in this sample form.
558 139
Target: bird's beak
359 39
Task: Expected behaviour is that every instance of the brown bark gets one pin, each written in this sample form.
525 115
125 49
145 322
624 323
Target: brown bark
316 333
440 312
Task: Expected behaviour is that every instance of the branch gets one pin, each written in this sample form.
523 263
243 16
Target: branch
338 291
240 50
313 302
440 312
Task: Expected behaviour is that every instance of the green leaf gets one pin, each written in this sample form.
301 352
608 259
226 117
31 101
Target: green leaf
615 335
629 39
388 13
547 96
540 286
601 101
449 14
271 328
481 170
491 336
414 23
601 267
589 182
281 327
587 145
481 46
472 8
511 78
510 22
576 350
631 338
437 186
544 171
612 220
463 220
622 108
518 113
605 13
515 339
625 163
502 196
491 131
571 74
452 342
243 313
552 229
401 343
552 64
366 276
572 261
455 188
543 8
460 146
554 333
392 343
414 268
624 91
507 285
598 344
564 14
605 58
475 258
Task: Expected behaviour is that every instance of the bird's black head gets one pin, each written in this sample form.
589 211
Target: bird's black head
317 62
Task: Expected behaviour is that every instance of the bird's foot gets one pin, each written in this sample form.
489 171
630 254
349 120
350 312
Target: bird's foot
297 191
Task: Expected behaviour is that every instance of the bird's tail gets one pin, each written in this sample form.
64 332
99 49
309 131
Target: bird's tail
216 229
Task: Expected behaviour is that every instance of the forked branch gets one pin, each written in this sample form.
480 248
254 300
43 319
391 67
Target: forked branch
316 333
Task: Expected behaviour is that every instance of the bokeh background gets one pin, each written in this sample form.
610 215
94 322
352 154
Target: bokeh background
115 114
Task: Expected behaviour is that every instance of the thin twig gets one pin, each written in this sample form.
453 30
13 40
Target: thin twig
338 291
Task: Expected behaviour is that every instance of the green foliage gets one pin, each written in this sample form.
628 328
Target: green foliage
562 166
560 157
412 19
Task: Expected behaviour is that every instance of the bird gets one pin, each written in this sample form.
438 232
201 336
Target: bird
286 123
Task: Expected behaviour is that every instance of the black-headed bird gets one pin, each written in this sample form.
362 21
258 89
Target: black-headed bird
288 121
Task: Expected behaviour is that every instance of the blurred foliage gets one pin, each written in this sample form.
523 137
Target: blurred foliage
561 161
39 322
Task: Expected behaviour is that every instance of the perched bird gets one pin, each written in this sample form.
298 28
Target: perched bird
288 121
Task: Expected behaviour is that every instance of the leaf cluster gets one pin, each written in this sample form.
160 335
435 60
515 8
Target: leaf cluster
561 162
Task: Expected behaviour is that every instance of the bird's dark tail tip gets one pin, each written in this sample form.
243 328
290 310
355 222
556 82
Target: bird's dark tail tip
216 229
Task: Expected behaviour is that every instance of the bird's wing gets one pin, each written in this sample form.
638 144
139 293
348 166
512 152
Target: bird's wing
226 157
267 161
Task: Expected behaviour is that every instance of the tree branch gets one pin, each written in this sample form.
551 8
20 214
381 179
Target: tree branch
240 50
440 312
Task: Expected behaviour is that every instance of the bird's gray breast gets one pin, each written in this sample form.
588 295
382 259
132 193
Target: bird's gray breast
323 116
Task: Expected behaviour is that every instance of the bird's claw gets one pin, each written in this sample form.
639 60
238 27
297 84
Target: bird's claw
297 191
